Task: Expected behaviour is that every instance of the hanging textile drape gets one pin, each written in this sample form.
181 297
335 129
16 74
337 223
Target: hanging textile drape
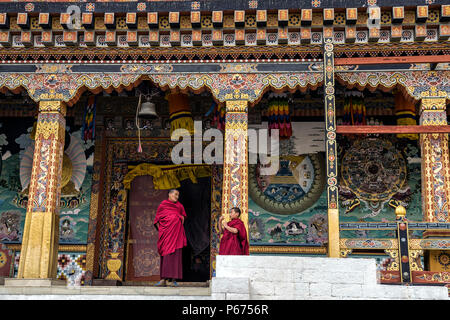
219 117
354 109
405 112
167 176
89 120
279 117
180 115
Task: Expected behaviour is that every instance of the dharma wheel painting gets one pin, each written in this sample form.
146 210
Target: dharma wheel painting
377 175
373 172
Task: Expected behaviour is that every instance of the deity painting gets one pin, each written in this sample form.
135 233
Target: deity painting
129 124
10 225
148 124
66 228
318 229
294 228
165 123
256 229
275 232
109 123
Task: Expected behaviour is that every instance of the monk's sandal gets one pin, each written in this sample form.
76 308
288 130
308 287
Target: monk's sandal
174 284
161 283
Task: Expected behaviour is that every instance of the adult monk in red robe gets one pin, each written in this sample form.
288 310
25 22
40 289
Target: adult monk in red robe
234 240
169 221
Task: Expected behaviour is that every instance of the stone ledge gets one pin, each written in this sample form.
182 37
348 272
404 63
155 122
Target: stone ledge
13 282
105 291
99 297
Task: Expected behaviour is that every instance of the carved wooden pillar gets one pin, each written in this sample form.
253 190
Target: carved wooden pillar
435 162
435 173
235 167
331 149
38 258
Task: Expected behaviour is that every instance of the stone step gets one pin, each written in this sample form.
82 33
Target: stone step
180 283
120 290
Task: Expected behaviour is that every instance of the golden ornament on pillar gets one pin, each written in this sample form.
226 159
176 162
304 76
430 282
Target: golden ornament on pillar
113 265
400 212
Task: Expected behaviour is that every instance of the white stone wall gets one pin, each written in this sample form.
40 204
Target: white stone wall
280 277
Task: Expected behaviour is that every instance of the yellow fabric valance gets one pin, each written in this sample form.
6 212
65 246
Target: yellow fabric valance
167 176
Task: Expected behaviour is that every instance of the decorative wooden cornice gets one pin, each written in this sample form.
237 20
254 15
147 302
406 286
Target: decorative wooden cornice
294 53
102 6
144 28
288 249
392 129
61 248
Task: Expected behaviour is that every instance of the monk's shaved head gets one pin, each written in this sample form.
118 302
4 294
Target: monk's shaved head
237 210
173 195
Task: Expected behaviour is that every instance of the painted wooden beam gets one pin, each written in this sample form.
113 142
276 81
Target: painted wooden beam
391 60
392 129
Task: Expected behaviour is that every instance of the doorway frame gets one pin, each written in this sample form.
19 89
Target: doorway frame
108 224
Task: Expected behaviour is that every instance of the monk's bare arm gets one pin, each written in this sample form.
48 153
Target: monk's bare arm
231 229
221 224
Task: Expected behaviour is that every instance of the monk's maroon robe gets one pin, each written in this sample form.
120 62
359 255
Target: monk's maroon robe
171 235
234 243
171 238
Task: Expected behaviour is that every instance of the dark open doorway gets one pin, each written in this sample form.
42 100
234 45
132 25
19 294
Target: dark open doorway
196 199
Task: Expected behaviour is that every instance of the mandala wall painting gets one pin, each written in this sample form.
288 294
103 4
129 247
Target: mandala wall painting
373 172
296 186
74 167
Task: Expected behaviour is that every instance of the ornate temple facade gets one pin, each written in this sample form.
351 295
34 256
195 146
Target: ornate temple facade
358 95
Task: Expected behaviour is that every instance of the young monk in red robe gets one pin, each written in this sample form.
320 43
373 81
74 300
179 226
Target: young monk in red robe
169 221
234 240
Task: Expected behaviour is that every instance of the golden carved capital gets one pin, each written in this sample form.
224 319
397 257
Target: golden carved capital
433 104
433 92
53 106
45 129
236 105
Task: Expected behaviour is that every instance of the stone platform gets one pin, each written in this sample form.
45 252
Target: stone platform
258 277
281 277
